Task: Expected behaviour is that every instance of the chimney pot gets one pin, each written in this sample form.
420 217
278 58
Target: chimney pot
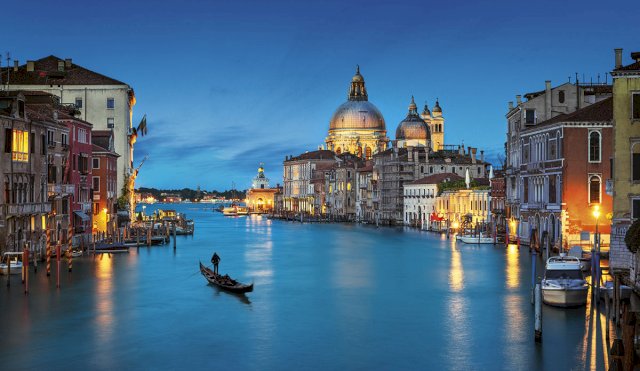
30 66
547 85
511 105
635 56
618 52
15 65
67 62
518 99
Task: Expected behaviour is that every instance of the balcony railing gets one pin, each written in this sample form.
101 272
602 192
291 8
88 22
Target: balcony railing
25 209
60 189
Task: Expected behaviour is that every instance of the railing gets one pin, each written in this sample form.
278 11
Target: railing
85 206
32 208
60 189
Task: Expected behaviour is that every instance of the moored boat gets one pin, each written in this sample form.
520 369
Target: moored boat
563 284
224 282
13 257
479 239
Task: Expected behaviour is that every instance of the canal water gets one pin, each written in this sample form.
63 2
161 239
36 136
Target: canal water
327 296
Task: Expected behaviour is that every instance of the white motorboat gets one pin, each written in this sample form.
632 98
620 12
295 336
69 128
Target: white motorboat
585 258
563 284
15 258
479 239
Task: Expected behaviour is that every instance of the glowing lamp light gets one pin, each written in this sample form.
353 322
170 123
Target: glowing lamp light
455 225
596 211
104 210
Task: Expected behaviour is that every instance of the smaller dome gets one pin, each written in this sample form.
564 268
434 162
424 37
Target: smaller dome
425 110
437 107
357 77
413 126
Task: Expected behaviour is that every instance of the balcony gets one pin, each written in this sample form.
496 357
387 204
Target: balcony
60 189
26 209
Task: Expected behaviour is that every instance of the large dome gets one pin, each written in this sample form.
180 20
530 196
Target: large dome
357 114
413 126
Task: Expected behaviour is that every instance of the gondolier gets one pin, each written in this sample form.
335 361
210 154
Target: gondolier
215 259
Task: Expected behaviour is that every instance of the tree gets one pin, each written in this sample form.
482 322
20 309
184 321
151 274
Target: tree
632 238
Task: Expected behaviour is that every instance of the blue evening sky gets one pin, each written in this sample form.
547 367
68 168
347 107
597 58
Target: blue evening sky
229 84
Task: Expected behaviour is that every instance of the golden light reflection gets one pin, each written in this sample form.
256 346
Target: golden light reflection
456 273
512 269
104 297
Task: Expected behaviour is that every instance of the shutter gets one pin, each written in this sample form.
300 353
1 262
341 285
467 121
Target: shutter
7 140
636 166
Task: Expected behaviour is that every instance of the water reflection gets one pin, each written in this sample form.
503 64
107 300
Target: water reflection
512 268
104 297
456 273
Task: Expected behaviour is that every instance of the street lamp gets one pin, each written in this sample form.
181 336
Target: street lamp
595 254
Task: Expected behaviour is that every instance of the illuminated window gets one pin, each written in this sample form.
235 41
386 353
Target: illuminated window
20 145
594 146
349 186
594 189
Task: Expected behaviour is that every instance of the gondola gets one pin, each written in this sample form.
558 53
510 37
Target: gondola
225 283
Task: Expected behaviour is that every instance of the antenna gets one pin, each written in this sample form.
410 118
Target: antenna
8 63
598 78
569 79
606 74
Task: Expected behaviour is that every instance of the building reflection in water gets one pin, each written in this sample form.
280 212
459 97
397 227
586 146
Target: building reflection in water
456 273
104 298
512 269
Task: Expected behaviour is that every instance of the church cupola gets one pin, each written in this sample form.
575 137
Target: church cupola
357 90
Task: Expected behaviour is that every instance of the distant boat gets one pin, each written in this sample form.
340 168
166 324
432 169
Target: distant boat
15 258
235 210
224 282
479 239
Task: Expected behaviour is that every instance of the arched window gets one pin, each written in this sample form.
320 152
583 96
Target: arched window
594 146
368 152
561 96
594 189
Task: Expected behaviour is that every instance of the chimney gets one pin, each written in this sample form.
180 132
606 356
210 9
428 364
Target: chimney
510 105
15 65
426 153
482 155
635 56
30 66
518 99
547 100
618 52
67 63
473 151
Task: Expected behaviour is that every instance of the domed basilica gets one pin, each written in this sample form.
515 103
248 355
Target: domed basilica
359 128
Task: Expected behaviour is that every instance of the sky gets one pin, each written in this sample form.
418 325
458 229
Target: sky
227 85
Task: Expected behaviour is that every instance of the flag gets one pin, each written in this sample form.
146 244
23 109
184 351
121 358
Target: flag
142 127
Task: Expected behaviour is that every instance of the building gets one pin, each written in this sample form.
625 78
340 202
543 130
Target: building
365 185
104 182
463 207
80 156
435 121
299 193
357 126
340 187
25 210
420 199
103 101
498 201
538 131
626 158
260 198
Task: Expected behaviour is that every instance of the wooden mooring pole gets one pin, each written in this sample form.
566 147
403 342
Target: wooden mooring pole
25 259
534 257
58 253
174 235
538 311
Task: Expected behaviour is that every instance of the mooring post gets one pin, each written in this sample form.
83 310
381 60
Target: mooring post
9 271
616 300
58 253
538 325
174 235
533 275
25 259
48 252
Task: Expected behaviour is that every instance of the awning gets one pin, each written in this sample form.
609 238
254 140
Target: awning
83 216
435 217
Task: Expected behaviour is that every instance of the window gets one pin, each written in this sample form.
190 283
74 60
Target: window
635 106
75 162
594 146
635 162
635 208
64 140
529 116
110 123
96 184
78 102
32 143
525 190
96 163
20 145
51 138
110 103
561 96
552 190
594 189
43 144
